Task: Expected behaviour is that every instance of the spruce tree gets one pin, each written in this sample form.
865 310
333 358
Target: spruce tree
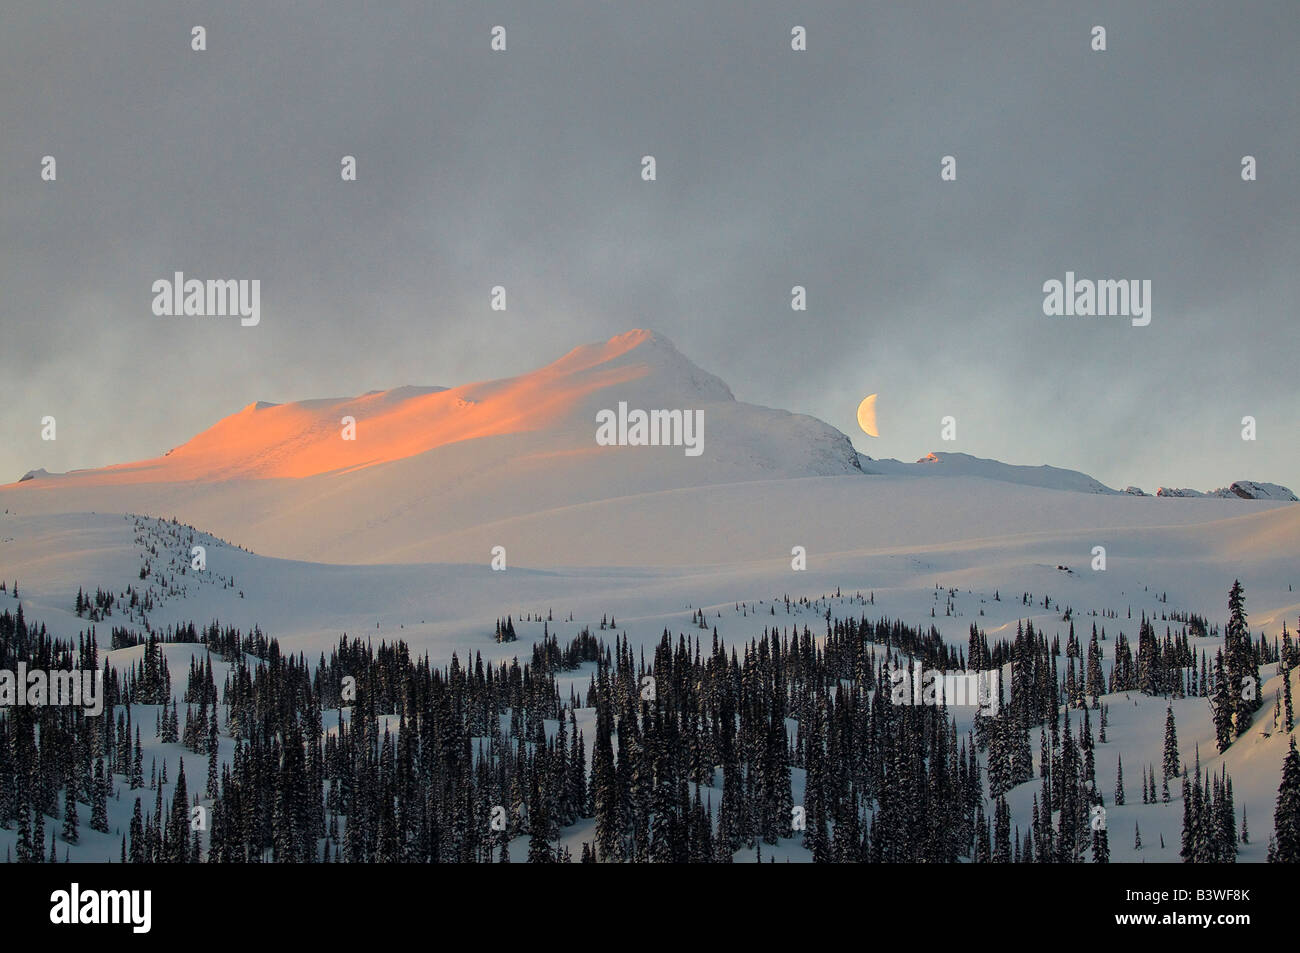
1222 705
23 847
137 835
1286 816
1286 695
70 823
38 834
1101 846
1188 850
1171 746
99 799
1243 670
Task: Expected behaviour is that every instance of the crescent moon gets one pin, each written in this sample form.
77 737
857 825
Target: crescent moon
867 416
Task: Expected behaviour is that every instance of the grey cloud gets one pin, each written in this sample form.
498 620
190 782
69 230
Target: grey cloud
775 169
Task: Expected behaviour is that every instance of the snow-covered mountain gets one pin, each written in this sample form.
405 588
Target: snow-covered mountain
963 464
1240 490
446 474
551 411
1054 478
429 462
1250 490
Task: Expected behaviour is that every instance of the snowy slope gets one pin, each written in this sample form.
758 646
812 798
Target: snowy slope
446 609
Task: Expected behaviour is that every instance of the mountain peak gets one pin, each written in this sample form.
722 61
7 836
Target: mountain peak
644 353
560 400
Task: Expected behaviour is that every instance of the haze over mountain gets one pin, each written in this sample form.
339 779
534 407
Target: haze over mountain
446 473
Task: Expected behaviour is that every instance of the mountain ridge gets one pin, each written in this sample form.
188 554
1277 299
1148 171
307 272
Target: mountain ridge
952 463
641 368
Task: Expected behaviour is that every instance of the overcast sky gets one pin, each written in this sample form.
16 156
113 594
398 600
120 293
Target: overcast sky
775 168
